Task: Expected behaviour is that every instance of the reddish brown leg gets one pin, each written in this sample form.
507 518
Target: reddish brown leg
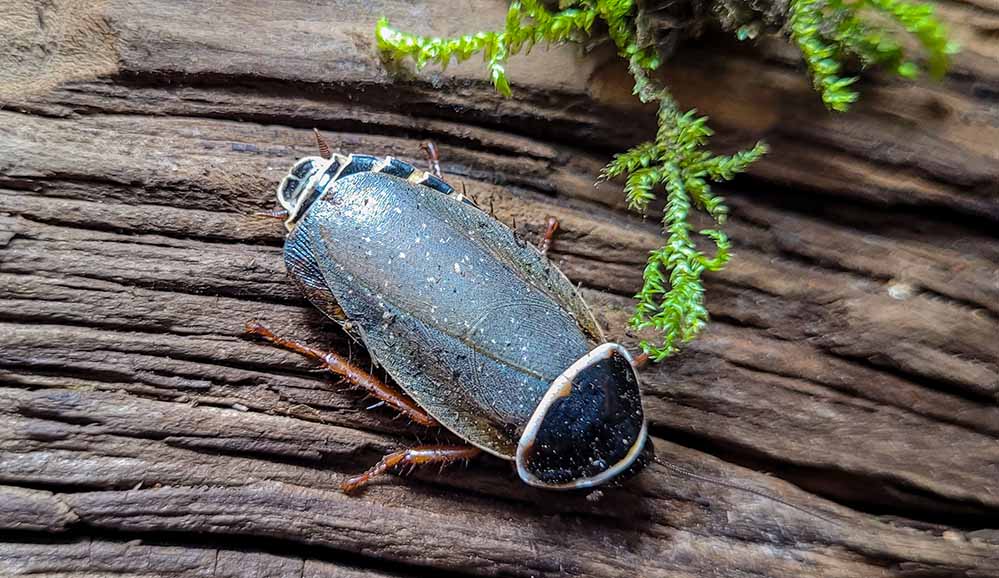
353 374
432 158
546 240
641 361
412 457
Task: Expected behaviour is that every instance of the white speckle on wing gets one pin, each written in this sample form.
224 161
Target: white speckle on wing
457 268
402 255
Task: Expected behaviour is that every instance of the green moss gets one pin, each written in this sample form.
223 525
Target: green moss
495 47
678 162
829 31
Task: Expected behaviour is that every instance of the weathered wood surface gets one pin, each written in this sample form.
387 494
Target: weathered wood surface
852 367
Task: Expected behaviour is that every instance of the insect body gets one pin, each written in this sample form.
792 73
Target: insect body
479 329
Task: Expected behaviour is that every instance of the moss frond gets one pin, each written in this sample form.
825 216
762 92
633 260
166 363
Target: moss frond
527 23
829 31
672 296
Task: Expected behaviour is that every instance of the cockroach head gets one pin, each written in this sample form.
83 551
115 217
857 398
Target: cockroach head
305 182
590 426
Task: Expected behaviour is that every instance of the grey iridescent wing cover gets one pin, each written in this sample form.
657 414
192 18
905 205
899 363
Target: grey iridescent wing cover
472 323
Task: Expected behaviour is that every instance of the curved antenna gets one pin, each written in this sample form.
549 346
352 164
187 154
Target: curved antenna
684 472
324 147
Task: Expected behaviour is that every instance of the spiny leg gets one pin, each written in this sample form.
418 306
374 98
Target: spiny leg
430 454
353 374
432 158
546 241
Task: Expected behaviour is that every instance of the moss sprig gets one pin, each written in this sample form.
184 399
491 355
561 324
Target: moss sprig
830 31
496 47
672 296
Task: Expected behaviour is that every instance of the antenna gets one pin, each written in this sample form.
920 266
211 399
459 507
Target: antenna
324 147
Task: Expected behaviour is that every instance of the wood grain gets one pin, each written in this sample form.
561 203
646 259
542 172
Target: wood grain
851 368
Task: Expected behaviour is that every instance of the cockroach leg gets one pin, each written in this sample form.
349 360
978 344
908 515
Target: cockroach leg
432 159
324 147
273 214
641 360
546 241
354 375
430 454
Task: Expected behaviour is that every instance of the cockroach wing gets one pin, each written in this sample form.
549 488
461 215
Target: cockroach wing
473 324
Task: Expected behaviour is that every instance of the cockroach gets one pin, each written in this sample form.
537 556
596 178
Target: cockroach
483 334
